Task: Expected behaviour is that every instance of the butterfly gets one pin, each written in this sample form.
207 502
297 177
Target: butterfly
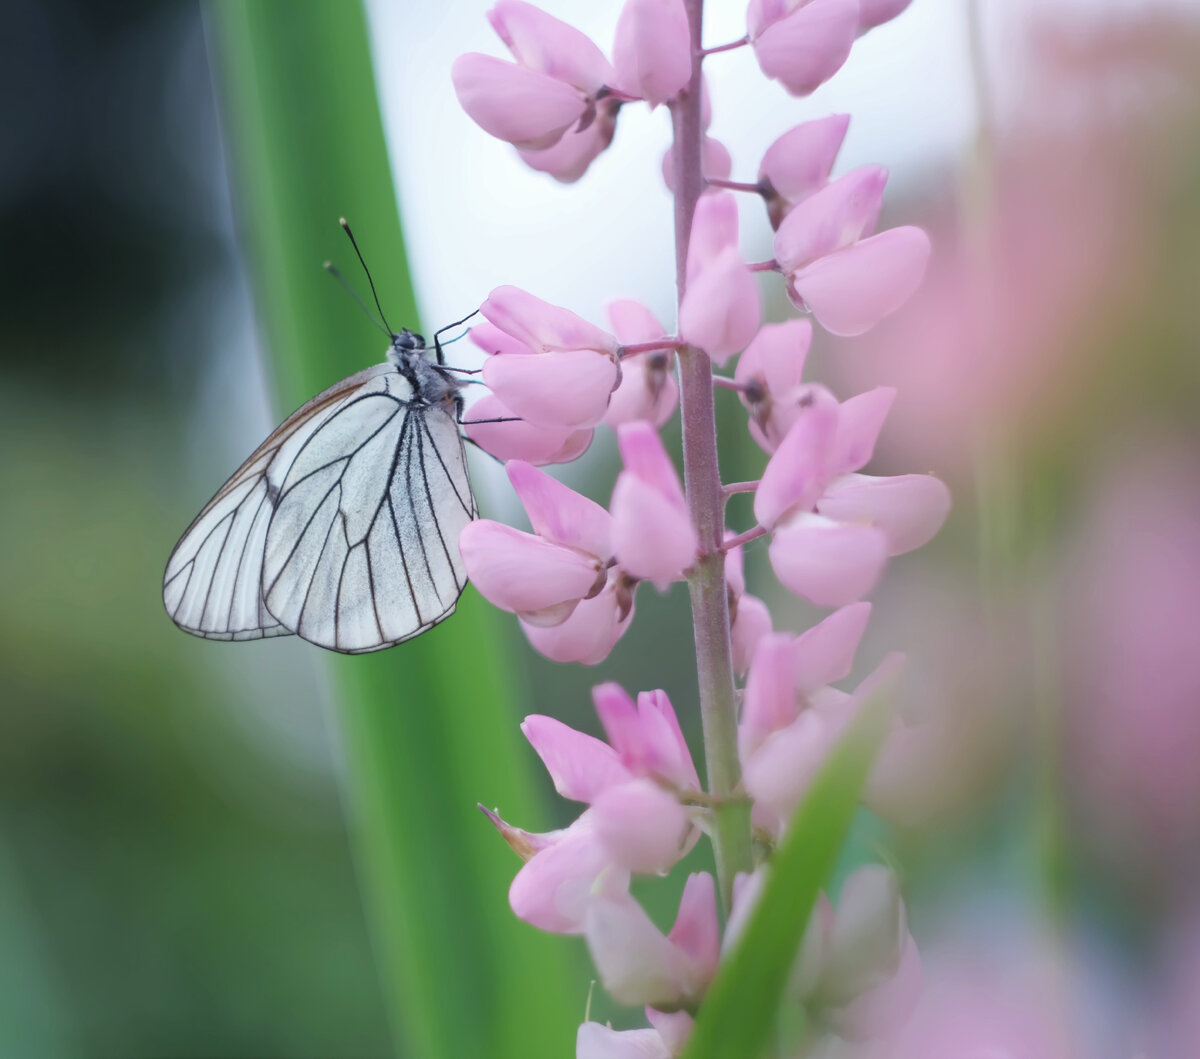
342 526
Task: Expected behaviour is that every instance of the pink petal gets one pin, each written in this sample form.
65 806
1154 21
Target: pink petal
860 420
554 389
751 622
837 216
870 930
653 49
646 458
808 46
647 391
653 538
636 963
696 931
721 309
714 229
543 327
633 323
769 701
592 629
551 46
560 514
909 508
674 1027
851 291
569 159
828 563
515 103
595 1041
494 342
715 161
825 653
872 13
517 439
778 773
735 573
771 368
881 1011
796 475
642 827
663 750
580 765
519 572
552 891
798 163
747 889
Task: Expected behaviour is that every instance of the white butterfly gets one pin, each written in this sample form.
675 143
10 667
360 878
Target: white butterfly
342 527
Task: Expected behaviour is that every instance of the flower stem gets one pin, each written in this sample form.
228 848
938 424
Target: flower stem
741 42
649 347
734 185
706 582
744 538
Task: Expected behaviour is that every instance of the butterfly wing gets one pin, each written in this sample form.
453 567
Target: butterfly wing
213 582
362 549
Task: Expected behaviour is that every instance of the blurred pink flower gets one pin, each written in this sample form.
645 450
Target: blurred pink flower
873 13
801 43
749 618
595 1041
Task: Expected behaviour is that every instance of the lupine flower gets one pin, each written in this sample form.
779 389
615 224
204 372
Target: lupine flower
721 309
801 43
593 627
715 161
569 371
653 49
568 159
510 438
637 963
749 618
832 529
848 278
652 533
798 163
554 84
543 575
648 390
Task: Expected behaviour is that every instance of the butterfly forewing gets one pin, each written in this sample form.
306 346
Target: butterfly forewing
213 582
362 551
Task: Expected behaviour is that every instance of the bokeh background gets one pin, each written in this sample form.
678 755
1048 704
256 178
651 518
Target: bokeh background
177 871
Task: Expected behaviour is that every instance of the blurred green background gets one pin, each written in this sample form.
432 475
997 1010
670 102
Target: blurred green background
177 876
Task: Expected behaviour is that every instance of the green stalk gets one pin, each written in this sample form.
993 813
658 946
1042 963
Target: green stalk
429 728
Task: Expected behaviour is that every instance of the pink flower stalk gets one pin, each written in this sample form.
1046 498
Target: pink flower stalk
798 164
554 84
801 43
836 268
570 370
571 579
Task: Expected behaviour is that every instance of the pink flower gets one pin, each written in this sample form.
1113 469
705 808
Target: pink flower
828 563
798 163
653 49
596 1041
592 629
873 13
647 390
566 378
541 576
721 309
749 618
568 159
770 371
637 963
517 439
801 43
652 533
715 163
848 278
554 84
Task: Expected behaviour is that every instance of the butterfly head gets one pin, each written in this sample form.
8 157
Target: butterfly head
407 342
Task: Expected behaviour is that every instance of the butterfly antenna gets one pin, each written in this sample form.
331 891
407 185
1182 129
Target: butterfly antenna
374 293
332 269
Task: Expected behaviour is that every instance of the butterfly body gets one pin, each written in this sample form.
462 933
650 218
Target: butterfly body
342 527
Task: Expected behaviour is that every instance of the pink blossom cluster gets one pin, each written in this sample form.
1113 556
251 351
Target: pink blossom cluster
829 529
